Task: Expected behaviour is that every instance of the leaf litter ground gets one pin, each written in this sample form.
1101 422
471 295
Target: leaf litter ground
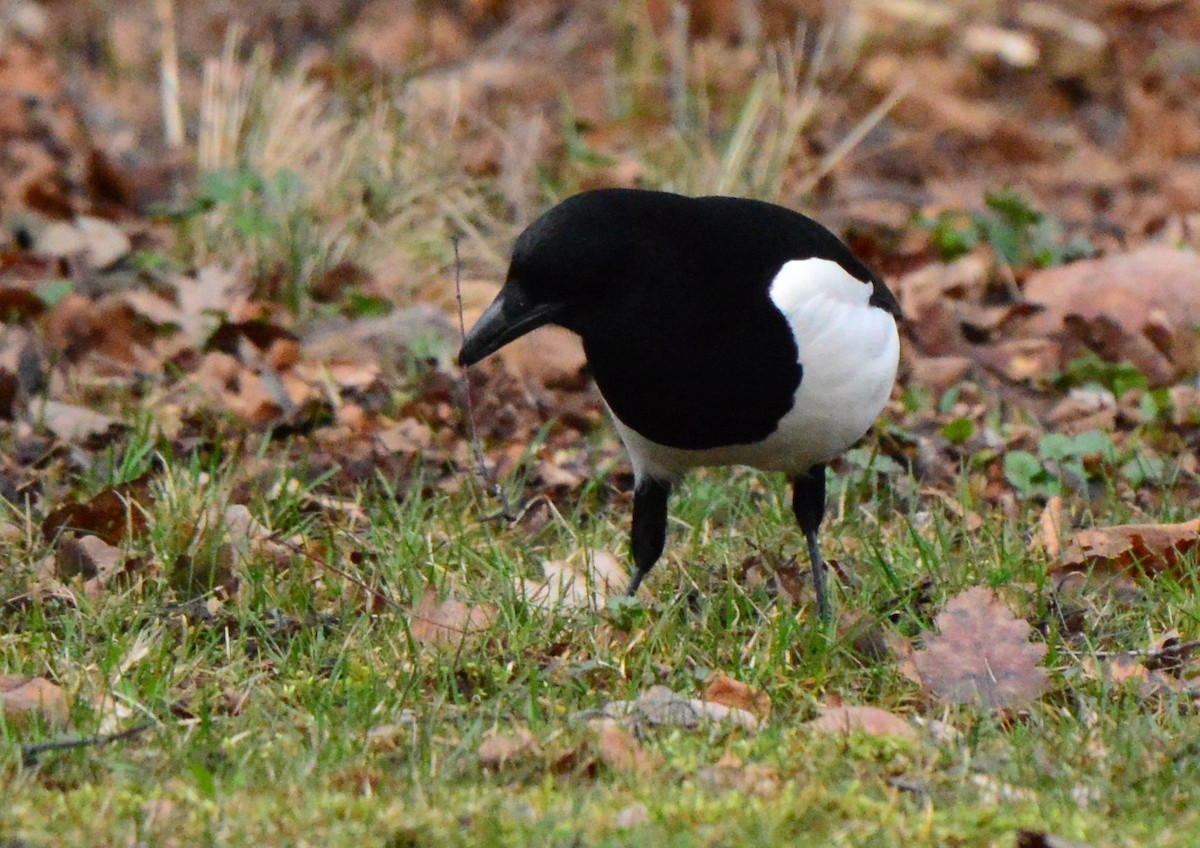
251 576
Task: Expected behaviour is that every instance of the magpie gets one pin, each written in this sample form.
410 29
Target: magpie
719 331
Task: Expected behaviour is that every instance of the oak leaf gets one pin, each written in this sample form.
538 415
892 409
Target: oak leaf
568 586
981 655
1151 548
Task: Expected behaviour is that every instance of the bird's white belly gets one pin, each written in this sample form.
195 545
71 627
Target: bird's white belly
849 352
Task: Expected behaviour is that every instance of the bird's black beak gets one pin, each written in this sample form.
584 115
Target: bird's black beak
512 314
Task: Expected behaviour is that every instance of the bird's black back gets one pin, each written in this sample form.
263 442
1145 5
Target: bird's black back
693 354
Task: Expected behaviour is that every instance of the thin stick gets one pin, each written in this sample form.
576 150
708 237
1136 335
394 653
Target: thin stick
485 474
1171 652
30 753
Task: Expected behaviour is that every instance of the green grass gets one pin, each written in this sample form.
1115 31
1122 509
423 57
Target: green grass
290 713
295 710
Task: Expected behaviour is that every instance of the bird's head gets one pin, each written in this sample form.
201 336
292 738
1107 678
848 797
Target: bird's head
583 265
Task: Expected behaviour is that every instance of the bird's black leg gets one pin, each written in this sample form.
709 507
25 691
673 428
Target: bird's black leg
649 527
808 503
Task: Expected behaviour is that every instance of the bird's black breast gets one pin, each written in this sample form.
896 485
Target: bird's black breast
686 386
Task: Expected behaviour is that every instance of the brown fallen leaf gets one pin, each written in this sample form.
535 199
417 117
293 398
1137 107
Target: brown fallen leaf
1117 305
502 747
784 581
24 698
111 515
1023 359
246 534
449 623
872 721
939 373
660 706
730 772
100 242
618 749
981 655
1151 548
568 586
393 736
90 558
1049 532
74 424
203 301
20 303
722 689
1123 668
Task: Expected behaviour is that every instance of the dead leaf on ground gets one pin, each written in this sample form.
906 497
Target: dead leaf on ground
502 747
351 511
618 749
938 373
1124 306
19 303
730 772
1022 360
722 689
24 698
872 721
71 423
1122 669
981 655
391 737
1151 548
112 515
568 586
101 243
247 534
371 341
89 558
1049 532
450 622
661 706
201 304
784 580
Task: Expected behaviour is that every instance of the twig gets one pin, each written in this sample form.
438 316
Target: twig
30 753
485 474
1170 652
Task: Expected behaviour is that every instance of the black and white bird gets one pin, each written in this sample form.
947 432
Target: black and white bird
719 330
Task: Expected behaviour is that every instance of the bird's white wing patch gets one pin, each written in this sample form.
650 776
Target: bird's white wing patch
801 280
849 352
